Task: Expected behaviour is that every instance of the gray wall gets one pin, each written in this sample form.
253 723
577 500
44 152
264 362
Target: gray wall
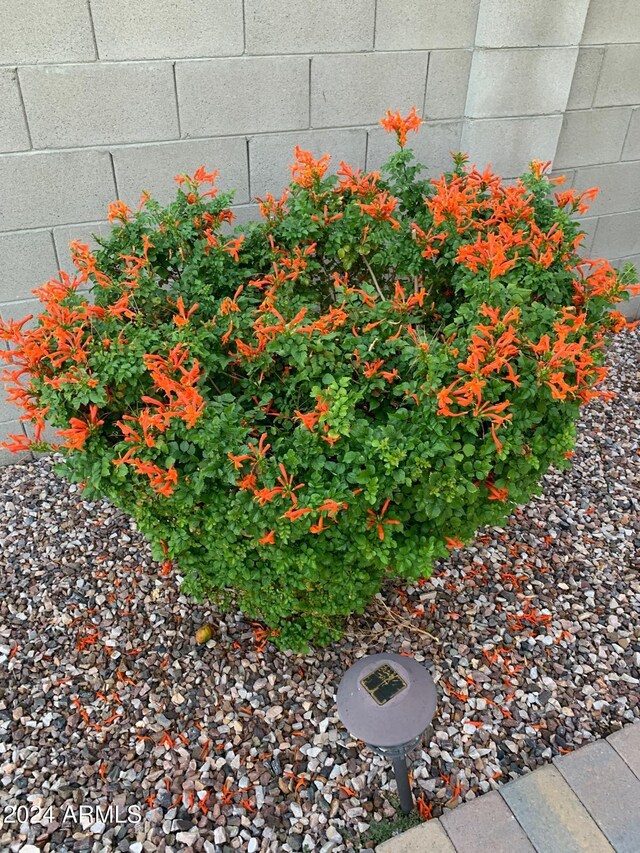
100 99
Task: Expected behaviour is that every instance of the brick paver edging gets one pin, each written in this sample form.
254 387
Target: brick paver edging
587 801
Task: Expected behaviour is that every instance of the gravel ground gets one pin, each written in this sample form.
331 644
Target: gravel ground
532 633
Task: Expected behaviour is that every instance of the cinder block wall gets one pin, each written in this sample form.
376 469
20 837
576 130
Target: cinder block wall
100 99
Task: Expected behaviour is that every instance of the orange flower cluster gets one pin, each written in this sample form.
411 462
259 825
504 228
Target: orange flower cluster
500 220
328 511
567 366
284 487
306 171
193 183
54 351
378 520
184 402
118 212
394 122
273 208
595 278
379 204
269 323
381 207
356 182
492 347
579 202
310 420
79 431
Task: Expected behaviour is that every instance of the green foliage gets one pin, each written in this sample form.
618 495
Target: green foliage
379 367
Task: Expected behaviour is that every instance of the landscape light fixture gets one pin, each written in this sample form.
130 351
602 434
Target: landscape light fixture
388 701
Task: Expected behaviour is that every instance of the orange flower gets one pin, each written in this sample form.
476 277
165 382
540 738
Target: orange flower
308 420
538 168
327 218
268 538
182 317
233 247
377 520
193 182
79 431
332 507
427 240
402 303
496 494
271 207
381 207
185 401
318 527
371 368
295 513
17 443
228 304
489 252
306 171
356 182
395 122
118 210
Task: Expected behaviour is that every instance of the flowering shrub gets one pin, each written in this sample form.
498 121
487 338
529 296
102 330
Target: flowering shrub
344 392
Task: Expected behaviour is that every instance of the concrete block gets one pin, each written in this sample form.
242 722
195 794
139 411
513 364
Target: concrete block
13 126
50 434
511 144
8 411
631 309
359 88
612 21
41 189
27 260
13 427
589 137
447 83
551 814
308 26
97 104
432 146
626 742
620 76
20 310
45 31
428 837
485 824
84 232
512 23
567 174
244 214
631 150
520 82
619 185
631 259
618 235
608 790
589 226
585 78
154 167
167 29
407 25
244 95
270 156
